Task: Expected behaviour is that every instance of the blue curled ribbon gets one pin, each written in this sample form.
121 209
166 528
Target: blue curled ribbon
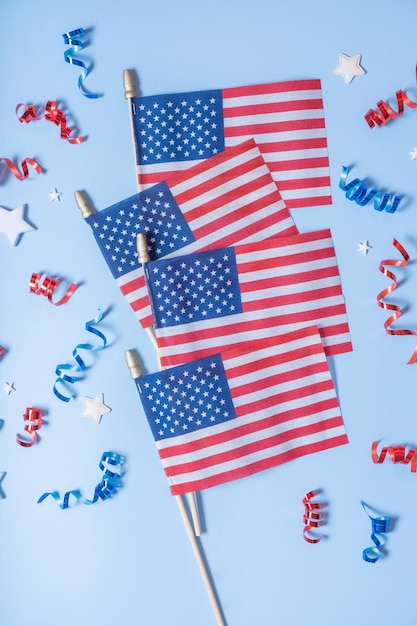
380 525
77 44
60 369
356 191
104 490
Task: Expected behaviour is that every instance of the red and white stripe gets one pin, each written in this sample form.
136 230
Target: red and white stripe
286 284
226 199
287 121
286 407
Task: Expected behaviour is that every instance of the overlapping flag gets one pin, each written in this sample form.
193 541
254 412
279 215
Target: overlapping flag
223 417
207 302
286 119
228 198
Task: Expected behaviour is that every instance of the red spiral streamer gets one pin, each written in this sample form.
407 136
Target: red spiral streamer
15 171
386 113
34 418
397 454
1 351
52 114
313 516
48 286
394 307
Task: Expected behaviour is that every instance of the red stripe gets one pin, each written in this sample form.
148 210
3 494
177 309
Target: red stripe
306 297
303 202
259 465
247 429
307 256
299 144
273 107
256 445
304 183
298 164
132 285
290 85
291 279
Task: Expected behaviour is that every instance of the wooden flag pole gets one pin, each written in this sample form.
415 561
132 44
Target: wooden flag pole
136 372
129 85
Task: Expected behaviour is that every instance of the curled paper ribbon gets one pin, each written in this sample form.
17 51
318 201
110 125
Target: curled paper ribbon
108 486
380 525
15 171
1 351
394 307
313 516
34 418
47 288
357 191
52 114
60 369
72 39
397 454
386 113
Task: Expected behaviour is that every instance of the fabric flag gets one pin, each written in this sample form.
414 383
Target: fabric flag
228 198
286 120
220 418
208 301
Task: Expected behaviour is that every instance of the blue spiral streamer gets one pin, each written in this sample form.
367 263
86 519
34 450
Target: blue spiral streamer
357 191
64 367
108 486
72 39
380 526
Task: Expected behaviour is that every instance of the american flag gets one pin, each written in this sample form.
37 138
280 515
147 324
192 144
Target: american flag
208 301
286 119
227 198
220 418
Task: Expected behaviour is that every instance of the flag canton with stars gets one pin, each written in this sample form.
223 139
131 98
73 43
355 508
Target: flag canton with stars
153 212
179 127
186 398
194 287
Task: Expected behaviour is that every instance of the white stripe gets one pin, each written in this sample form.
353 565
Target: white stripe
261 455
304 287
292 155
266 98
307 172
293 269
304 193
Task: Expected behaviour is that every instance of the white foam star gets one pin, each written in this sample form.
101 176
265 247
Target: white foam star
13 224
8 388
364 247
414 154
54 195
349 67
95 407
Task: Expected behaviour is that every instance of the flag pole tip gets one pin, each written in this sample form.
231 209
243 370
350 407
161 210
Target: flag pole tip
142 248
129 84
133 364
83 204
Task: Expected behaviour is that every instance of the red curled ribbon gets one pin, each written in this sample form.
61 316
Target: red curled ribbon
313 516
48 287
52 114
14 170
394 307
397 454
34 417
1 351
386 113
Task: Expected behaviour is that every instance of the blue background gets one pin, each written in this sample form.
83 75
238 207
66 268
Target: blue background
127 560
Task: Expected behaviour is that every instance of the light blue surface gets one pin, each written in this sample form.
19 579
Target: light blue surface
127 560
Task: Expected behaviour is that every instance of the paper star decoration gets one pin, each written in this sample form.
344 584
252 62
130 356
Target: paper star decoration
13 224
364 247
95 407
8 388
414 154
54 195
349 67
